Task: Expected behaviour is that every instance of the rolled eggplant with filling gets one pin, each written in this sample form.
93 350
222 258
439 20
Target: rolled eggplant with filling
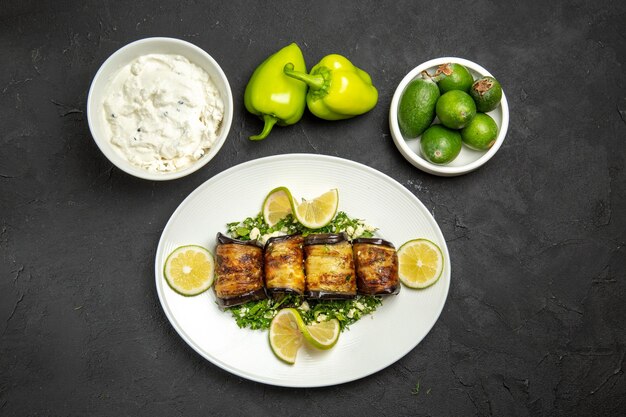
376 265
239 271
284 265
329 266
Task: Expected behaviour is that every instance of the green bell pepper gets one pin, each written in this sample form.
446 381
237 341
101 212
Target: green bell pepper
274 97
337 89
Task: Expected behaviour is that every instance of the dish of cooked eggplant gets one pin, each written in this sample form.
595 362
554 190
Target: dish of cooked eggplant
300 277
323 266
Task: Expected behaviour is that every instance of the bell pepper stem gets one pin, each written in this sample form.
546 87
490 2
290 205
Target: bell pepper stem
315 82
270 121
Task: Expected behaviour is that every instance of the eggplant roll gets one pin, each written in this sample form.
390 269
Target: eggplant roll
284 265
376 265
329 266
239 271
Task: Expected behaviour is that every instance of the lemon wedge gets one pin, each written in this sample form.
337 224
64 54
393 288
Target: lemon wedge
318 212
285 335
420 263
189 270
322 335
277 205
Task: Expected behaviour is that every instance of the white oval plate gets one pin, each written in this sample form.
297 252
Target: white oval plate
370 344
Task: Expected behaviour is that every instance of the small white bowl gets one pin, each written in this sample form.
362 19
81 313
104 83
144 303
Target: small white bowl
108 70
468 160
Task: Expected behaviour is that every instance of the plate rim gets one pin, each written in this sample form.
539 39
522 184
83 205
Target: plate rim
290 156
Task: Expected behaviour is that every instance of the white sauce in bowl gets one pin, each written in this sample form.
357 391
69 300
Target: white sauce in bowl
163 112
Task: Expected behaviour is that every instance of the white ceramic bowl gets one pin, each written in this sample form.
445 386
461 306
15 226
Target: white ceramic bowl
468 160
108 70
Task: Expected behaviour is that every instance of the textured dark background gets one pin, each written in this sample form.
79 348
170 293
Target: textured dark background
534 322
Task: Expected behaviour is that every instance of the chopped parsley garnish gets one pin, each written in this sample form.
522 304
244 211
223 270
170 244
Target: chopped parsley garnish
255 227
258 314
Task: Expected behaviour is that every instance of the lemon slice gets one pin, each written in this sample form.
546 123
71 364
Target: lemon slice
322 335
277 205
285 336
318 212
420 263
189 270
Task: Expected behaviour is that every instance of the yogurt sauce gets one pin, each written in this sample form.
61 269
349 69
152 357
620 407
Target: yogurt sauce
163 112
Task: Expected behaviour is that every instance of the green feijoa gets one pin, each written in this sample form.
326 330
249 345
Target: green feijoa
416 110
487 93
480 133
440 145
453 76
455 109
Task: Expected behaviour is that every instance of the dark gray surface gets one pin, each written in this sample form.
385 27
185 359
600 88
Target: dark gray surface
534 322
